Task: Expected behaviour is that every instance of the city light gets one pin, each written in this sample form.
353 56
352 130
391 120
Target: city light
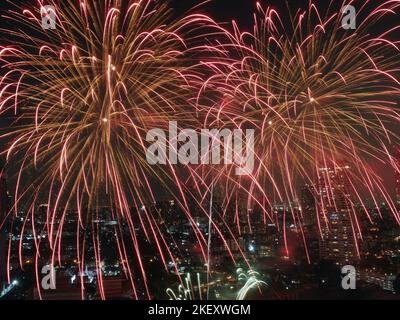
152 154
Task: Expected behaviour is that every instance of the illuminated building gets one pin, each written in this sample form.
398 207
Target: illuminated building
381 279
335 214
308 205
310 225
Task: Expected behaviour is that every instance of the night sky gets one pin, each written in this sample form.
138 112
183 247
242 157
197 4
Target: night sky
225 11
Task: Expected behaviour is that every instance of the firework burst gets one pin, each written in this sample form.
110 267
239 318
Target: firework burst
83 97
319 96
322 99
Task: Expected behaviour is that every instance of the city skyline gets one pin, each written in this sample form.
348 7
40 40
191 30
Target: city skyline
124 172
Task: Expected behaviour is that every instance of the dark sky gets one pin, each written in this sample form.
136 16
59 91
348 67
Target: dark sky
223 10
239 10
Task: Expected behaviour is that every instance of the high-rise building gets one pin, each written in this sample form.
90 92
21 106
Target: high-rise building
3 210
335 213
309 196
308 204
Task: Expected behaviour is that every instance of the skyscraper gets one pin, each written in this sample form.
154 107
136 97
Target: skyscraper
310 225
3 209
335 212
308 204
